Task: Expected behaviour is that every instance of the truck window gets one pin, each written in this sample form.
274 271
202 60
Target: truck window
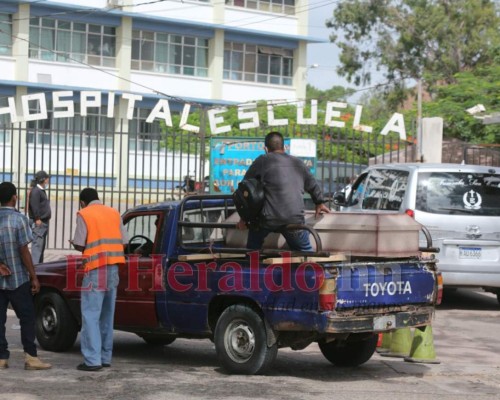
385 189
204 234
142 230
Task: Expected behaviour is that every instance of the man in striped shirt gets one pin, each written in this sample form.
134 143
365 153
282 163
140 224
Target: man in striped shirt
18 281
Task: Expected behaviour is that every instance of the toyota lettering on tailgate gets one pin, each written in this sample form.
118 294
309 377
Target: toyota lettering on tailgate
384 284
391 288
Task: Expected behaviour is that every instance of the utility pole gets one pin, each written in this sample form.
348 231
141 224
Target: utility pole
202 136
420 156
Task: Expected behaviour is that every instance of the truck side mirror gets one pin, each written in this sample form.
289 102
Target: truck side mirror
339 199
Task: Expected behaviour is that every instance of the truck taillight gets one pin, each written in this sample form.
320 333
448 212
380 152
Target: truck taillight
411 213
327 296
439 297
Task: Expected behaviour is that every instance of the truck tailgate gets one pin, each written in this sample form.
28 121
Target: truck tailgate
382 284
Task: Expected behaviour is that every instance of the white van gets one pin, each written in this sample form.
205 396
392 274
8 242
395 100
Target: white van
459 205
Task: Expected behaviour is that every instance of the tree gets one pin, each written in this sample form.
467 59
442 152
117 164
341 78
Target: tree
335 93
481 86
414 39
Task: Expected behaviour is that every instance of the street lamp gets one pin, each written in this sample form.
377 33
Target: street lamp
312 66
486 119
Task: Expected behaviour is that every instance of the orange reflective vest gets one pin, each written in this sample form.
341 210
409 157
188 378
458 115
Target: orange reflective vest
104 237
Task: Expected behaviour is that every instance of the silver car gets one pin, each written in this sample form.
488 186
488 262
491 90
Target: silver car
459 205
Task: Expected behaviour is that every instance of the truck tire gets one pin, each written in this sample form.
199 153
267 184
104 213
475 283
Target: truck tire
157 340
241 341
56 328
352 353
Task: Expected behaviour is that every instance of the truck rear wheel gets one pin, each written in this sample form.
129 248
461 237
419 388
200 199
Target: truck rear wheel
349 353
56 328
241 341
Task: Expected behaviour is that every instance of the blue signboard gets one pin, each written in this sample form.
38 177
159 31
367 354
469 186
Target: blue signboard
231 157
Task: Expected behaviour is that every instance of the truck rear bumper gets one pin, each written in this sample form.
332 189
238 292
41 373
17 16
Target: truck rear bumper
336 323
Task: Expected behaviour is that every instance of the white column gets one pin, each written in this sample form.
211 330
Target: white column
300 74
302 6
300 56
216 63
123 58
20 41
20 51
216 51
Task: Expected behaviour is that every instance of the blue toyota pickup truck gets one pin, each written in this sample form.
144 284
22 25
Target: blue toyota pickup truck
186 277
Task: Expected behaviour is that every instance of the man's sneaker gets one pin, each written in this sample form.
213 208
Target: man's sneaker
4 364
34 363
89 368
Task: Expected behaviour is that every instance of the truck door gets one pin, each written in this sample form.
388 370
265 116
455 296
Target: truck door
135 303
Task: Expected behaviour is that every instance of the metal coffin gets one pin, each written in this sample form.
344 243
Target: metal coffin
363 234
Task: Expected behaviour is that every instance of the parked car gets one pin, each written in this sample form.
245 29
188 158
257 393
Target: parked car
459 204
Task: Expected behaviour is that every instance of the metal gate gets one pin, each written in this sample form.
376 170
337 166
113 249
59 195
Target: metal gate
128 166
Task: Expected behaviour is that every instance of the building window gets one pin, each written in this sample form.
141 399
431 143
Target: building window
144 136
4 118
263 64
169 53
5 35
4 125
274 6
65 41
94 131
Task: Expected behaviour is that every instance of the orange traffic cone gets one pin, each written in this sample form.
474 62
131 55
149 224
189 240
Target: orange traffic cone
385 342
422 347
400 343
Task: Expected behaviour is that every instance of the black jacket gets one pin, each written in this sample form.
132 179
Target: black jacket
285 179
39 205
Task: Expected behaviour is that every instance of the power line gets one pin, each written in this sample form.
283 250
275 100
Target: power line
174 98
108 9
299 11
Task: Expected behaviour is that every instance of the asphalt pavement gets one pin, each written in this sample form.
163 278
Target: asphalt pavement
465 338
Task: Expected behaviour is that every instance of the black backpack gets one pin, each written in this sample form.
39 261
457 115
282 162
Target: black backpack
249 200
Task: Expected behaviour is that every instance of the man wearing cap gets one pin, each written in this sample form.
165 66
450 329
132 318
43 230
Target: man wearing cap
101 237
39 213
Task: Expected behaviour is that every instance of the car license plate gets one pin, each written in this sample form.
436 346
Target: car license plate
384 323
469 253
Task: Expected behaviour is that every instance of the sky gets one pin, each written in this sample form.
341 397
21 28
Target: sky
326 55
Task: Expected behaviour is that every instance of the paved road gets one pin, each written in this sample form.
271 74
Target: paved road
465 334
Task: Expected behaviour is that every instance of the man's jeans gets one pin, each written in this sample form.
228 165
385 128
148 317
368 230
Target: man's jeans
39 239
22 303
297 240
98 310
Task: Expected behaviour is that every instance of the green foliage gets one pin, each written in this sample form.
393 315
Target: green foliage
335 93
179 140
480 86
343 144
414 38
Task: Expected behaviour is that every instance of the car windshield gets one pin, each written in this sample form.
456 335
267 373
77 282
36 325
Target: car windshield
462 193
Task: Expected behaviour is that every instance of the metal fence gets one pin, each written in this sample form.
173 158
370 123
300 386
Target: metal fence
130 167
